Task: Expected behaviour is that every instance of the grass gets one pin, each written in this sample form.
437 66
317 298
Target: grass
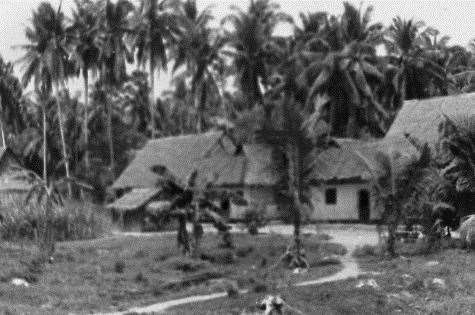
116 273
405 287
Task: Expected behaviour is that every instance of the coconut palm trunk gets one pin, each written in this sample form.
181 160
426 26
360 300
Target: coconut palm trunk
45 171
86 119
199 114
293 189
109 135
2 125
63 140
152 96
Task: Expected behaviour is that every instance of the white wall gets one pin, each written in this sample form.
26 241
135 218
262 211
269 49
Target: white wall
346 207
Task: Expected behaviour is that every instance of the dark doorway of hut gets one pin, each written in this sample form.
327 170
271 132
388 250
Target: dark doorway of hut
363 205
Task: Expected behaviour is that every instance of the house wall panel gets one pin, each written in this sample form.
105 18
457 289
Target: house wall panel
347 203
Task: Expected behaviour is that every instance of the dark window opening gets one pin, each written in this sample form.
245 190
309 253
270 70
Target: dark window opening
330 196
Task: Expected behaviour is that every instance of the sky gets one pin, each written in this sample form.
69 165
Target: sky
455 18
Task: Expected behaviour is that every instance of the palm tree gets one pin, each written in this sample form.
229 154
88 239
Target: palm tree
85 30
10 95
341 66
46 59
416 69
198 47
153 27
113 54
252 45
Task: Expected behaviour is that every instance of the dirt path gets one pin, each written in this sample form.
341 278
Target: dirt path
349 236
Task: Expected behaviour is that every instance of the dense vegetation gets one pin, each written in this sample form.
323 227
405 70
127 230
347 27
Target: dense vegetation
328 70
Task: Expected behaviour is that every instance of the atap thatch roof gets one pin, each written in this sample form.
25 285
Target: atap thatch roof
134 199
421 118
348 162
211 154
253 167
178 155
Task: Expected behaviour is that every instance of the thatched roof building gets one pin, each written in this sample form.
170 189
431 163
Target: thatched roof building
421 118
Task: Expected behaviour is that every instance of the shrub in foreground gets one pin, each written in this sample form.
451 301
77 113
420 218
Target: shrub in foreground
73 221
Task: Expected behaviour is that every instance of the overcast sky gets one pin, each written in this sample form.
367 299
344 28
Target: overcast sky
453 18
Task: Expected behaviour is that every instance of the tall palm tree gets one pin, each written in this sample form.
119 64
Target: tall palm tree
10 95
85 29
198 47
153 26
341 65
113 54
252 45
416 69
46 59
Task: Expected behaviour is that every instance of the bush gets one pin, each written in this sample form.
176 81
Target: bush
119 266
222 257
244 251
186 264
140 278
255 218
74 221
365 251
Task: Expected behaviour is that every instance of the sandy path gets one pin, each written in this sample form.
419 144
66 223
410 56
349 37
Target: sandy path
349 236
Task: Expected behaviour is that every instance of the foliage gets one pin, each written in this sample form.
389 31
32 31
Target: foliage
73 221
255 218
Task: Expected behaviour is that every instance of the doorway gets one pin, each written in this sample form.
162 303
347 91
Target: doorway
364 205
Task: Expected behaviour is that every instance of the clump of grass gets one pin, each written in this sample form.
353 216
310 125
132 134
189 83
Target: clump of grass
119 266
222 257
140 254
323 237
365 251
244 251
140 278
325 261
259 287
186 264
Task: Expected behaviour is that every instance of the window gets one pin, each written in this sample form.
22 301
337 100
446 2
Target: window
330 196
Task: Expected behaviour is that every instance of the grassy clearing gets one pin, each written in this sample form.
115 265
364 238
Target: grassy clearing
406 286
119 272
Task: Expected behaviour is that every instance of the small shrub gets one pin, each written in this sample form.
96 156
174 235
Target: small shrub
323 237
119 266
73 221
416 285
232 289
222 257
255 218
186 264
365 251
326 261
157 290
244 251
259 287
141 278
161 258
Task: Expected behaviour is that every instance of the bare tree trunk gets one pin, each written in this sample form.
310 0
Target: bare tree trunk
86 119
293 156
4 143
109 134
45 171
63 141
197 233
199 126
152 97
